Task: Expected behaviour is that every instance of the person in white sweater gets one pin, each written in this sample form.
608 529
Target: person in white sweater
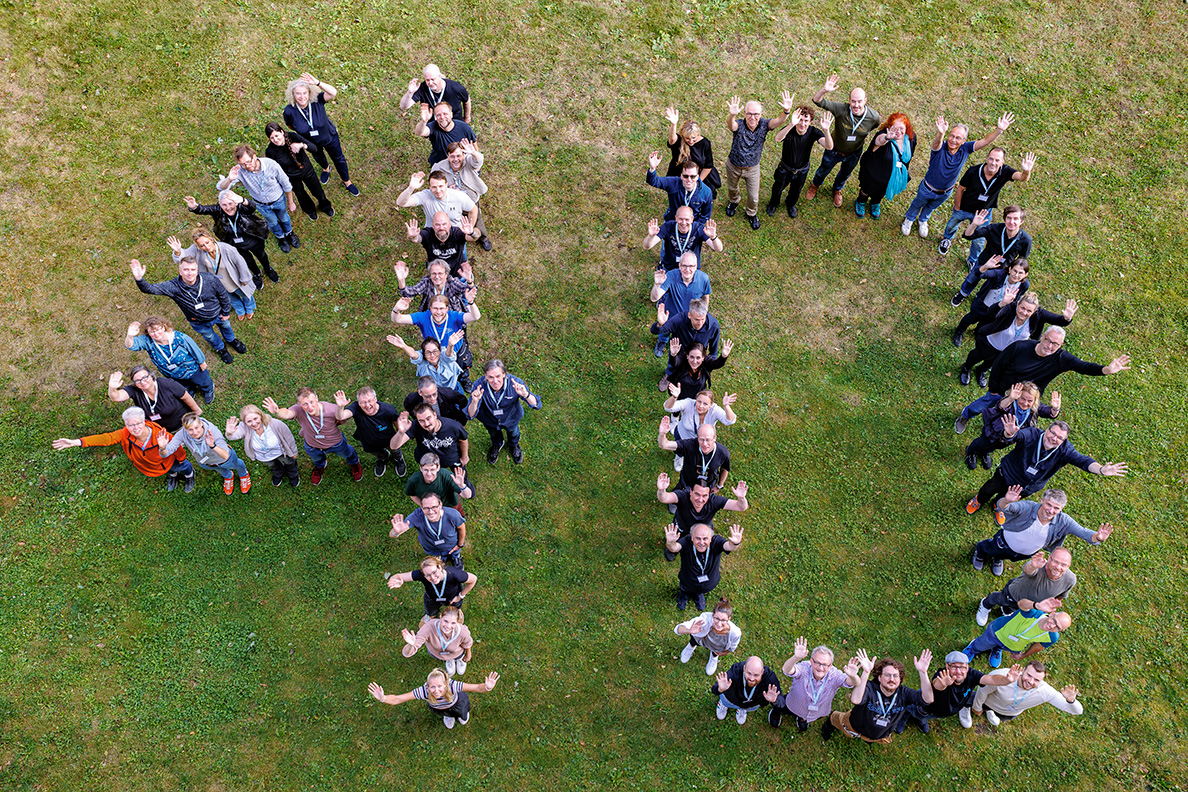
1006 702
714 630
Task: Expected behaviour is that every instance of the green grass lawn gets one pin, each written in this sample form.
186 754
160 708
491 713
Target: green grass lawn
206 642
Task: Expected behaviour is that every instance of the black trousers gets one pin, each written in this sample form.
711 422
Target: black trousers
333 147
285 467
310 181
793 180
982 356
251 250
977 314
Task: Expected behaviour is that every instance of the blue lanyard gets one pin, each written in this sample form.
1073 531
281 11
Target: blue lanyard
444 643
429 526
440 592
1040 447
682 245
705 463
489 395
820 688
882 706
855 124
702 564
747 696
986 184
307 119
1002 242
687 197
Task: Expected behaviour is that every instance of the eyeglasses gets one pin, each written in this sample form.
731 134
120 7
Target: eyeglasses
139 380
688 177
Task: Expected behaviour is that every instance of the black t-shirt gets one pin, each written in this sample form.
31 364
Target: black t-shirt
700 572
997 244
440 139
980 194
450 404
438 596
445 442
374 431
701 468
701 152
955 697
740 695
452 251
686 517
878 715
1019 363
454 93
798 148
168 410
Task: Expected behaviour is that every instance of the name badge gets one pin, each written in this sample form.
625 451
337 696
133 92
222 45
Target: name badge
171 366
320 436
313 133
155 417
199 305
440 541
983 197
852 138
814 707
702 578
882 723
496 412
237 240
898 164
1032 470
441 599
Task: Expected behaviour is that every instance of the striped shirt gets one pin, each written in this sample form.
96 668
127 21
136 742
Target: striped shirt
267 185
451 699
809 698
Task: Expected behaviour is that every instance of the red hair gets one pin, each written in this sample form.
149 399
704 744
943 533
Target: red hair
907 123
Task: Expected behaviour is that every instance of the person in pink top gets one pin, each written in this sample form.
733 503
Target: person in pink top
445 638
318 424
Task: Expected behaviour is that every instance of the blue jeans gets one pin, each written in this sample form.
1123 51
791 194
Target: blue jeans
986 642
831 158
977 405
207 331
976 245
731 705
343 449
199 382
496 435
181 469
242 303
926 202
276 215
229 468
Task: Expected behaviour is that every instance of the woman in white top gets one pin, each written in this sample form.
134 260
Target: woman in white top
695 412
714 630
269 440
443 695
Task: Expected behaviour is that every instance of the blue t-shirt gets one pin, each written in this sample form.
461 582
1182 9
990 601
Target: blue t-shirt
454 322
178 360
436 538
677 295
944 167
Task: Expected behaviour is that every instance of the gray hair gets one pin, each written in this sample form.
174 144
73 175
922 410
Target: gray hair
438 263
429 459
494 363
229 195
699 307
960 126
1055 331
822 649
1056 496
425 382
314 91
133 414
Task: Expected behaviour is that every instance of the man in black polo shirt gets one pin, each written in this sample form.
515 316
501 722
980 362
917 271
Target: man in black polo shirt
1007 240
701 555
706 461
746 687
953 688
442 436
164 401
881 704
374 429
978 190
446 402
437 88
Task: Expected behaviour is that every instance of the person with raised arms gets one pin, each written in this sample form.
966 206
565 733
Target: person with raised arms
445 638
374 428
237 222
713 630
681 235
955 684
174 353
269 187
435 89
429 480
440 127
1022 402
318 424
139 440
684 190
444 241
882 704
687 144
462 164
746 150
209 450
224 262
443 324
978 190
443 585
429 360
1044 579
445 402
695 325
736 689
305 114
437 280
852 122
497 401
439 197
1026 690
1023 320
796 156
1006 240
203 301
446 697
703 459
441 531
266 440
701 554
433 433
164 401
814 683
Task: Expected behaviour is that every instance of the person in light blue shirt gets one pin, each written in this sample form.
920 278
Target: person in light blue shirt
174 354
677 288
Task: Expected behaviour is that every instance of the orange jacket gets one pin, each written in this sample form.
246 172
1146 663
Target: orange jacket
147 459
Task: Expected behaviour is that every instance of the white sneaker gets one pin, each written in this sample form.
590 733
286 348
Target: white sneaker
740 716
678 463
983 615
712 664
721 711
448 721
906 228
460 665
451 667
466 720
923 229
687 652
992 716
965 717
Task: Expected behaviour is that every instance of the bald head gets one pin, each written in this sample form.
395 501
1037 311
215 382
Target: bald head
857 101
753 671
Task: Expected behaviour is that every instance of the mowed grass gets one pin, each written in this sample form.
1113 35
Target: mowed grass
153 642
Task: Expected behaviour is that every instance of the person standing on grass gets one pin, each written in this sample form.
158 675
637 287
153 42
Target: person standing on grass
436 89
445 697
798 139
429 360
736 690
701 554
223 262
680 236
696 505
237 223
433 434
978 190
374 426
443 324
814 683
1022 692
703 459
497 401
442 129
268 441
440 197
852 122
694 326
440 531
949 155
1006 240
307 117
139 440
164 401
1025 320
270 188
715 631
679 288
746 149
883 169
317 422
1044 580
954 686
1028 527
437 281
882 704
684 190
202 300
1022 402
445 402
1002 288
429 480
446 242
687 145
290 151
209 450
1021 634
174 353
692 370
443 585
692 413
462 164
445 638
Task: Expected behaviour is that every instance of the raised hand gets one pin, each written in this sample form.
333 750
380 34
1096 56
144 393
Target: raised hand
1103 532
465 272
409 637
736 534
413 230
653 160
994 262
662 481
401 270
672 115
466 225
1121 363
735 105
727 347
923 661
1010 425
468 146
863 660
134 328
490 681
1070 693
416 181
771 694
1013 494
460 477
674 346
1005 121
1049 605
674 389
740 490
1028 162
653 227
270 405
397 342
665 424
786 101
309 78
426 113
402 305
944 678
671 534
801 651
163 441
232 424
723 682
376 691
850 669
233 173
395 582
661 313
190 202
399 526
980 217
340 398
456 336
711 229
520 389
832 83
174 245
729 398
404 423
659 277
1039 560
1055 401
942 126
826 120
1070 309
116 380
1014 673
413 86
1016 391
65 442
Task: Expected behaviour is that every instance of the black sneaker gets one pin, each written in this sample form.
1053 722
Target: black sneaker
328 211
225 356
682 600
401 468
963 376
493 454
485 243
701 602
517 453
792 212
272 274
771 210
801 724
754 220
283 244
381 467
971 461
957 299
188 486
171 484
294 241
983 379
276 480
731 208
258 282
775 718
987 461
944 246
237 345
827 730
958 337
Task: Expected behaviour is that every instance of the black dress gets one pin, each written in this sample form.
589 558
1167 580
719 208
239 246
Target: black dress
702 154
874 170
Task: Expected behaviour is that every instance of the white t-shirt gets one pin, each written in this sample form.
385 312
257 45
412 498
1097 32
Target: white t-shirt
267 446
454 203
1027 542
689 420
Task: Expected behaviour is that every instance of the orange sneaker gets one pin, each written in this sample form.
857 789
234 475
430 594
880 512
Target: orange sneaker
1000 517
229 485
245 484
972 506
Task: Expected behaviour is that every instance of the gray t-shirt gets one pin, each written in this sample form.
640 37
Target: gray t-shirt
747 147
454 203
1039 587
